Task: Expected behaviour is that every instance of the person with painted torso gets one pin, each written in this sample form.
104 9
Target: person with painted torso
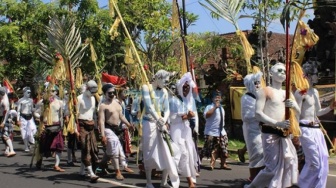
315 170
51 143
251 130
25 109
110 115
156 153
281 163
7 123
86 105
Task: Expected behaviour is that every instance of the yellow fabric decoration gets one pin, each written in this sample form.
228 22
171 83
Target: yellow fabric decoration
248 50
294 127
59 70
111 8
297 77
128 55
79 78
114 29
175 20
93 53
304 39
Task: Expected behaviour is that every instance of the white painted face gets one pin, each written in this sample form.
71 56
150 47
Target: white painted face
257 85
27 93
162 81
278 72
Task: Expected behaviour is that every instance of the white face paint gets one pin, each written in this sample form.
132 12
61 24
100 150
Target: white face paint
27 94
279 72
162 81
257 85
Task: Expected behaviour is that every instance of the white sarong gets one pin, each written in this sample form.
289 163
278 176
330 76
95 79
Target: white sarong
315 171
28 129
281 163
156 154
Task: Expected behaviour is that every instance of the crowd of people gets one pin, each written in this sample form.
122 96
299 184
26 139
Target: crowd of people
165 116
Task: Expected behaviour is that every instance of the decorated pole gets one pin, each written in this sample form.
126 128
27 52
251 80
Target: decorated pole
183 31
143 72
288 80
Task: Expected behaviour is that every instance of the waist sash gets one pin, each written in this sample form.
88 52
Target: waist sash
282 132
310 125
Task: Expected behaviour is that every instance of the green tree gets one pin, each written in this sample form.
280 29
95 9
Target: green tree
21 30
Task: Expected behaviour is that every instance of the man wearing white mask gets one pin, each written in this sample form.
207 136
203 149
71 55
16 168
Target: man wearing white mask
25 109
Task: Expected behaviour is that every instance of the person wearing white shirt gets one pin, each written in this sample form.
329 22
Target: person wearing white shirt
216 139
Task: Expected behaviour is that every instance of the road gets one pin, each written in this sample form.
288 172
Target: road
15 173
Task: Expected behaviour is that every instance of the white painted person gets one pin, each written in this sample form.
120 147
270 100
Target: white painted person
316 168
86 110
51 141
251 130
25 110
181 134
281 163
184 88
9 119
156 154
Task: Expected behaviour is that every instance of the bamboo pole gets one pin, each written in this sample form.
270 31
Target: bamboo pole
165 136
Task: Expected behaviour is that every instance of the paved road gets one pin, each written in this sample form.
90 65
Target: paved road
15 173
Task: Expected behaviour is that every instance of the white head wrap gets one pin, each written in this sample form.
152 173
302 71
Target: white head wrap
186 78
249 81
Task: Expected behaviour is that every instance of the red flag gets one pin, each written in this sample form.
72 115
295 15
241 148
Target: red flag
8 86
115 80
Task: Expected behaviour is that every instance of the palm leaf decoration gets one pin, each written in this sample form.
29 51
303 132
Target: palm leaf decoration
64 38
228 10
64 52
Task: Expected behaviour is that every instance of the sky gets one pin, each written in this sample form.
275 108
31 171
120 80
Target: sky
206 23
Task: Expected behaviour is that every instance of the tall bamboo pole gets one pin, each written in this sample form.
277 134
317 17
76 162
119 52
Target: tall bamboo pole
151 92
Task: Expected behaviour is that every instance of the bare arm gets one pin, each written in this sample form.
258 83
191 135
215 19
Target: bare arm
19 109
101 119
123 119
319 110
299 99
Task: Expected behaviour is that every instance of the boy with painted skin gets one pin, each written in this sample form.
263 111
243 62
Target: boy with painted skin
156 154
25 109
315 170
281 163
251 130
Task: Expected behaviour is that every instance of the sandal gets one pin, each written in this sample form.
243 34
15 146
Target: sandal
120 177
58 169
